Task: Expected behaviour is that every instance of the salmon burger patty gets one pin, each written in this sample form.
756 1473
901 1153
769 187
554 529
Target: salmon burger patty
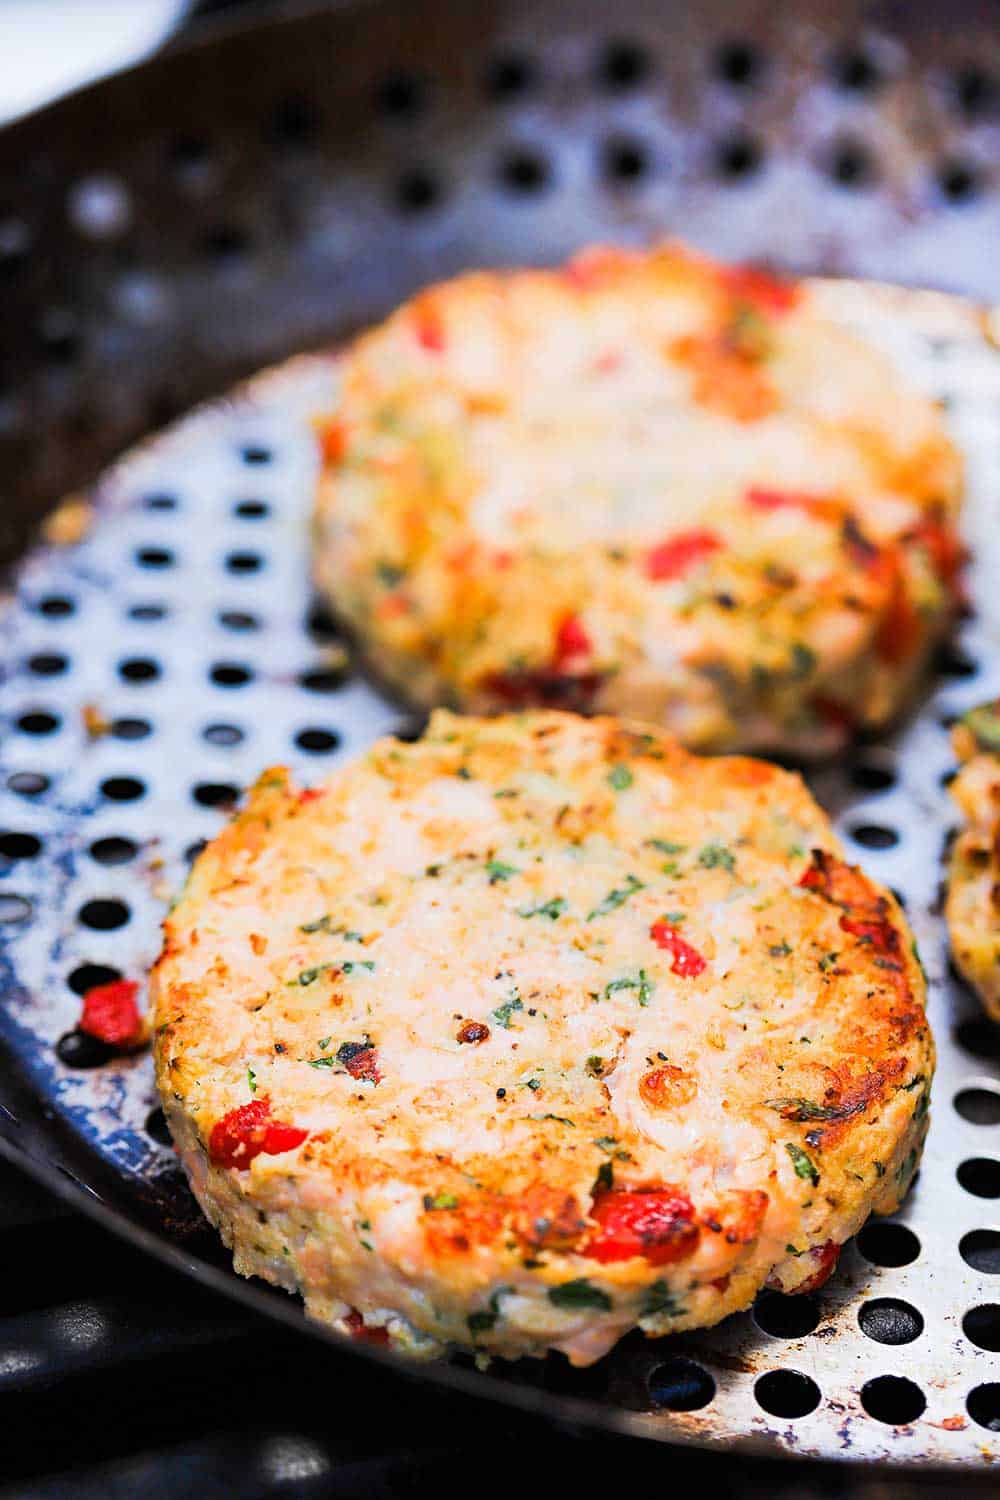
973 902
644 484
536 1030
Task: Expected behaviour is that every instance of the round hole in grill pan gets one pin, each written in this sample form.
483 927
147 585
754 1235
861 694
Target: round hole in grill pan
739 156
623 64
888 1244
416 190
251 510
88 976
980 1176
624 159
981 1326
323 679
155 557
56 606
980 1249
874 835
893 1399
679 1384
509 74
193 850
523 170
401 95
160 501
738 62
77 1049
14 909
786 1317
983 1406
147 613
28 783
47 664
138 669
20 845
38 722
230 674
130 729
317 741
952 661
787 1393
222 794
979 1036
238 619
223 735
980 1106
104 914
244 562
889 1320
256 454
123 788
156 1127
113 850
868 776
855 70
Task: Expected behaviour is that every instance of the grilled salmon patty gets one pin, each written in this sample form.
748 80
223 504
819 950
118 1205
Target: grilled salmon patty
972 909
536 1030
644 484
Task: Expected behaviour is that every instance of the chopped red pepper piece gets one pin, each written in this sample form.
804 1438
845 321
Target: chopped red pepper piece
688 962
572 640
362 1064
767 293
821 506
110 1013
945 550
333 441
826 1258
249 1131
658 1224
430 331
359 1329
679 553
899 630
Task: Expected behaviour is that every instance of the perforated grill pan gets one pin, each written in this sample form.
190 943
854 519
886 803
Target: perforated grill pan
265 192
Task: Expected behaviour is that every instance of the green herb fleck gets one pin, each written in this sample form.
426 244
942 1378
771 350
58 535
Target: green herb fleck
665 846
779 950
620 777
595 1066
361 1228
803 661
804 1109
390 574
310 976
605 1179
616 898
503 1012
361 963
804 1167
552 909
251 1080
323 1062
579 1293
660 1299
642 983
435 1201
716 857
497 871
827 962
